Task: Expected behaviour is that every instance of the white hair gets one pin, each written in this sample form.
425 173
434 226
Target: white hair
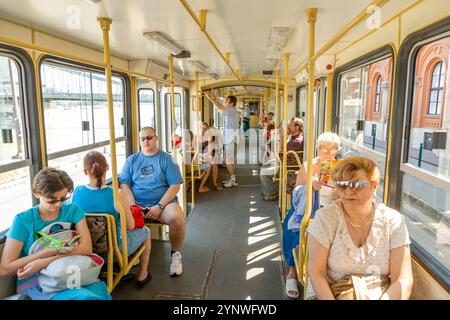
328 138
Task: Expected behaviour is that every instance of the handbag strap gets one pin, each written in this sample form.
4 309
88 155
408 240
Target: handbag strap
54 243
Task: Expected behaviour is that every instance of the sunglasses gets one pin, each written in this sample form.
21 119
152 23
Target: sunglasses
55 201
148 138
355 185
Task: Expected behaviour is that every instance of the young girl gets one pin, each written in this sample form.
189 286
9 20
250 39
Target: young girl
96 196
52 187
328 145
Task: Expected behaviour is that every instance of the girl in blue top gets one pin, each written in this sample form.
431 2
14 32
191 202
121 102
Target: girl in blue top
52 188
97 197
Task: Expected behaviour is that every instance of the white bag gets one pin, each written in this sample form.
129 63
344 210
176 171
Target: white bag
71 272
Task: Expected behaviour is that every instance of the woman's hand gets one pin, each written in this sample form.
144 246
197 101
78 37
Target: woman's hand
316 184
31 268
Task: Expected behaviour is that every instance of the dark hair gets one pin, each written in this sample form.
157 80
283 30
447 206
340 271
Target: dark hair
48 181
96 164
233 100
271 113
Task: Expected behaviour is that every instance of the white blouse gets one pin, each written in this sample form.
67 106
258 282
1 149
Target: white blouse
388 231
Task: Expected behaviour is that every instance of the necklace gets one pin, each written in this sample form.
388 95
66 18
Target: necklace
365 222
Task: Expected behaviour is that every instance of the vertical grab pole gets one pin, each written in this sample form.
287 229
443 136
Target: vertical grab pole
312 16
285 122
172 98
277 121
105 23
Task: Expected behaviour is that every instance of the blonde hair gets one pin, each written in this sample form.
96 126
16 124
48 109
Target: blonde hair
352 164
328 139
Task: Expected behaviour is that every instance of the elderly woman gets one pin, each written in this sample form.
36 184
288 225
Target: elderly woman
359 249
328 145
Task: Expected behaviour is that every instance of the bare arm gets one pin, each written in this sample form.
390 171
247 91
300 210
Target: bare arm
127 194
126 207
401 274
213 100
29 265
317 269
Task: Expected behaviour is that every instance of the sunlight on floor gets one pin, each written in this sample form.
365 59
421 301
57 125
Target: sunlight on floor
248 298
253 272
253 210
255 239
261 226
256 219
256 253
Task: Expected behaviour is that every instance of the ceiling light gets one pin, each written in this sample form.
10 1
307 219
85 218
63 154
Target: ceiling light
198 65
163 42
278 38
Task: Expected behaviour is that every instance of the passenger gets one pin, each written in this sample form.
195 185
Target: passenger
52 187
204 165
328 145
359 249
97 197
230 134
246 120
209 152
151 179
269 169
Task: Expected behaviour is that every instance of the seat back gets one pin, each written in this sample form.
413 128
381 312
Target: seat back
7 284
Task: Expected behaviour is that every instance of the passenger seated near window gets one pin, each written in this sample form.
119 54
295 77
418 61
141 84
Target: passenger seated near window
97 197
151 179
204 166
210 151
359 249
328 145
52 187
269 169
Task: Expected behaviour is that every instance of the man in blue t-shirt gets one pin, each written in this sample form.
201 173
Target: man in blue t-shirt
151 179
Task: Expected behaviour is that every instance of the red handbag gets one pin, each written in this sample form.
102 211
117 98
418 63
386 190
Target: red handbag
138 216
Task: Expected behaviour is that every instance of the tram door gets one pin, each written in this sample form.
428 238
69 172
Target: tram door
170 131
320 102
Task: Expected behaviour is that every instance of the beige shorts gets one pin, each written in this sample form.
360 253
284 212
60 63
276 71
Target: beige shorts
230 152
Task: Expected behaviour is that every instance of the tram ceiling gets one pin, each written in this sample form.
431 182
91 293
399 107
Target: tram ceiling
243 28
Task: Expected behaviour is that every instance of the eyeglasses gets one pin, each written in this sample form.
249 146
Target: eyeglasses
148 138
355 185
55 201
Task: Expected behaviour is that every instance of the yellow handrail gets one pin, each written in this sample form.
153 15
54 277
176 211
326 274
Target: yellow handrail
285 115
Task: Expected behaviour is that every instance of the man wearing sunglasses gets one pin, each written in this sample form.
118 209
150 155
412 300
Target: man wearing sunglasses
151 179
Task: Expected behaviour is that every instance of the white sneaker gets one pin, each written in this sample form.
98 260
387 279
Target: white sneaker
176 267
226 181
231 183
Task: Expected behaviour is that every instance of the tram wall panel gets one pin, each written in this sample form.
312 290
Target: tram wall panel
425 287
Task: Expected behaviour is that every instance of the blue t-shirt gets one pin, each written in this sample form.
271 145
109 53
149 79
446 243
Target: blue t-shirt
150 176
97 201
27 223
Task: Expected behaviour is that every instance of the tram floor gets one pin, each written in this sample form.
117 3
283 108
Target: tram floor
232 249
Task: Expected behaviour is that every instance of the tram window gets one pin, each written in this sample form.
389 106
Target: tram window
426 196
73 163
76 99
364 112
15 180
146 108
302 101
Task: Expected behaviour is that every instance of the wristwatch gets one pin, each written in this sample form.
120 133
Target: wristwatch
161 205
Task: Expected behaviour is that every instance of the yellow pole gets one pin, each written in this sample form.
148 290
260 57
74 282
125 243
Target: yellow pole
277 121
134 115
172 97
285 121
312 16
329 101
105 24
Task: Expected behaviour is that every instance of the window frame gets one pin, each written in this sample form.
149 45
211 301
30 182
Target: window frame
126 100
401 123
139 105
438 89
31 133
378 94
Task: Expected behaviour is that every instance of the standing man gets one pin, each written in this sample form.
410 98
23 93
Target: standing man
151 179
230 134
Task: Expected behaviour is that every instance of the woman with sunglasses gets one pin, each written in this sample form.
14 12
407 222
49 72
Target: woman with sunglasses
97 197
52 187
328 145
359 249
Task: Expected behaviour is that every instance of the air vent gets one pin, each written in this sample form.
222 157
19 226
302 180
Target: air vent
267 72
183 55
